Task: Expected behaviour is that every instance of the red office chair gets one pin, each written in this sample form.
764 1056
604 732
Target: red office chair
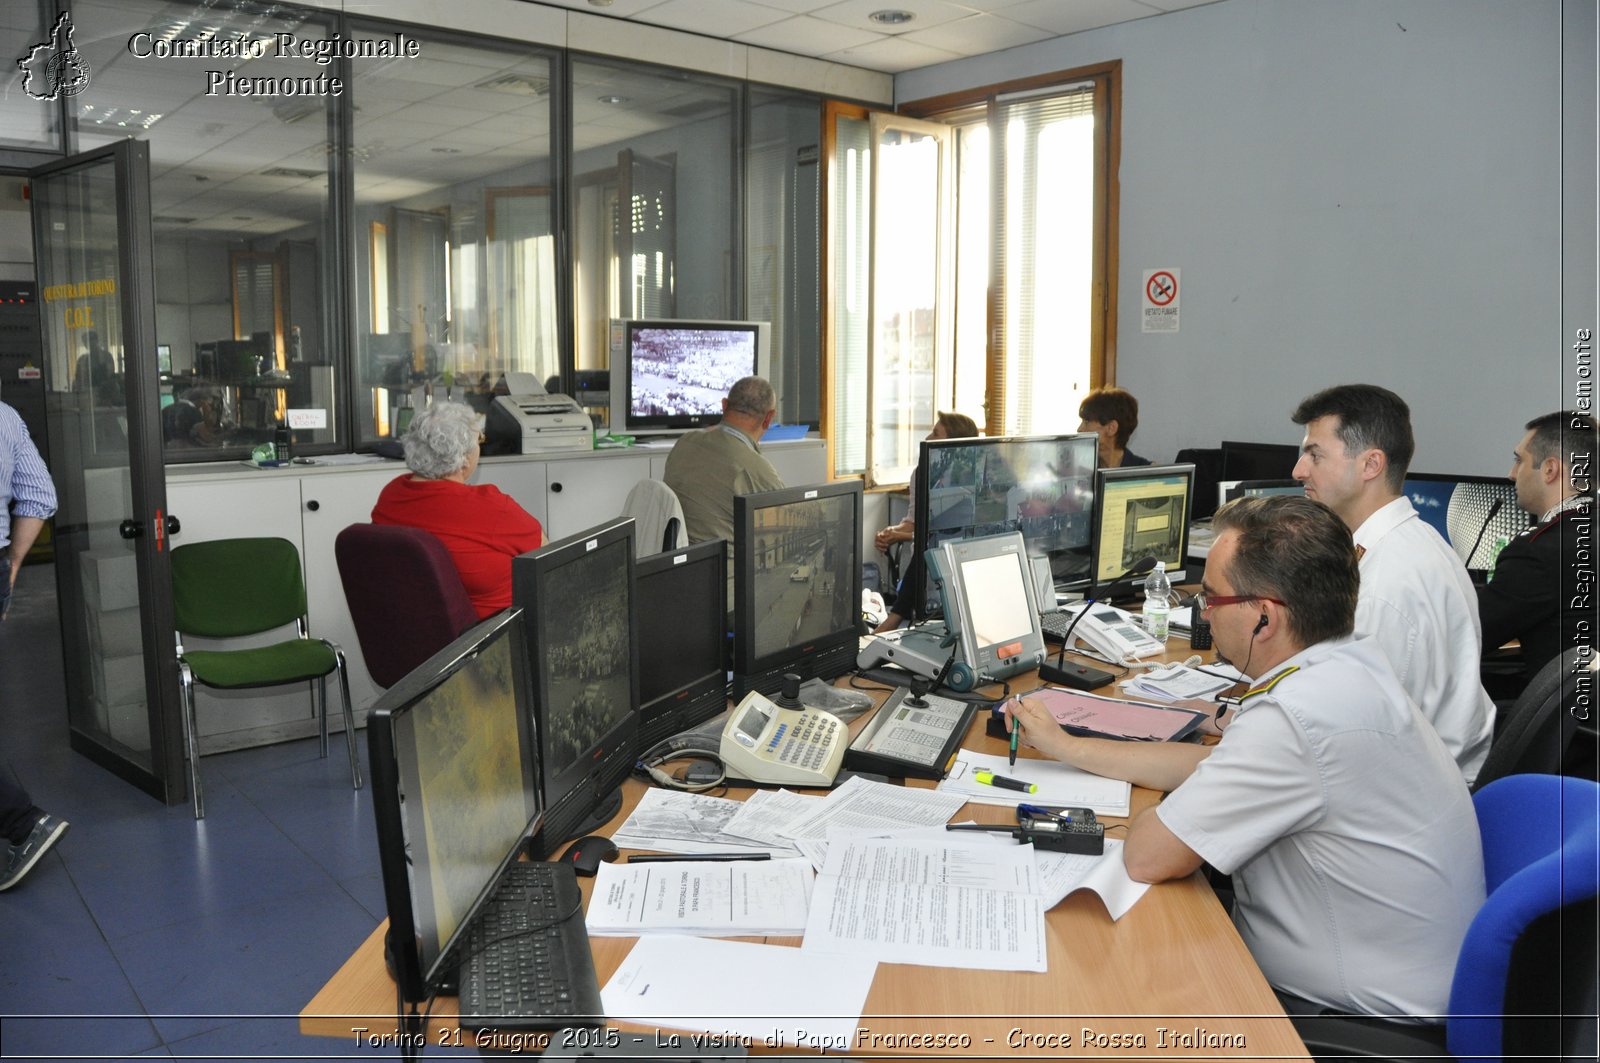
405 596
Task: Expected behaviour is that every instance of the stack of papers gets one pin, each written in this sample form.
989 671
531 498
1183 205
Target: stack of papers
1174 682
731 898
677 822
1058 784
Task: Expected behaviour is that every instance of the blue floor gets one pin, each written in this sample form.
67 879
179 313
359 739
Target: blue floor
146 934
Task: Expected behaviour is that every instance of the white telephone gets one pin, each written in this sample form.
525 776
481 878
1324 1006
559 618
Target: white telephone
1114 634
763 742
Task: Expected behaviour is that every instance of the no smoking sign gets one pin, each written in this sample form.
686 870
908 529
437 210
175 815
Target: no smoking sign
1159 312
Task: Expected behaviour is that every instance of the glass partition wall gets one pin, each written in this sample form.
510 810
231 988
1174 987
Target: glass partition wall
478 207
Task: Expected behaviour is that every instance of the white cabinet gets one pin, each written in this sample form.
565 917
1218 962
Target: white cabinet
583 492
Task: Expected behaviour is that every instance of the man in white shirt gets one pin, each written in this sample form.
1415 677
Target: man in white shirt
1416 599
1346 826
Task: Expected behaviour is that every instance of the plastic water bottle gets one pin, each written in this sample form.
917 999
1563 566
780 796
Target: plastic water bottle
1157 602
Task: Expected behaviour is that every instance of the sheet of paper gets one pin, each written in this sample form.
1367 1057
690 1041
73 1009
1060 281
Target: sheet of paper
767 812
753 1009
1064 873
1059 784
676 822
929 923
861 805
718 899
944 859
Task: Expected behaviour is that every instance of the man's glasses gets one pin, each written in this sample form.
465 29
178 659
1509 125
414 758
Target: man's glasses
1206 602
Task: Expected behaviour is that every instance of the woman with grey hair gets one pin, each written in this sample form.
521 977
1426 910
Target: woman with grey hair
481 527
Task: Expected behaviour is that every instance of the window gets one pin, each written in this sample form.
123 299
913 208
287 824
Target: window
1024 267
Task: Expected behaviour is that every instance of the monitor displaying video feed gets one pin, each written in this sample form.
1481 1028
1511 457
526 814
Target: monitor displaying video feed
1462 509
1140 512
670 376
681 599
1040 486
797 584
583 658
453 792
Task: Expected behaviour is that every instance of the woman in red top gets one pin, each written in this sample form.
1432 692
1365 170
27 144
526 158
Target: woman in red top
482 527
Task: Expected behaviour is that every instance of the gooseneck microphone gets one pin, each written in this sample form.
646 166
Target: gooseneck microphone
1082 676
1493 510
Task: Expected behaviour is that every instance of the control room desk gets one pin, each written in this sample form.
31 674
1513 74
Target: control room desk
1174 963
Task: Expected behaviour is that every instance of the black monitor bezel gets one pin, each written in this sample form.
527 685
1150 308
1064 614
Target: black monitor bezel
916 590
1120 588
1275 450
746 664
685 706
417 978
1243 488
678 422
588 781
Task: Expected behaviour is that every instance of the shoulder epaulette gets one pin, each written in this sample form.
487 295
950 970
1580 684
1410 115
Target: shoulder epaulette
1269 684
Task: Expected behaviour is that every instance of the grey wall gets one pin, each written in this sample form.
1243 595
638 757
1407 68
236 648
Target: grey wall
1363 190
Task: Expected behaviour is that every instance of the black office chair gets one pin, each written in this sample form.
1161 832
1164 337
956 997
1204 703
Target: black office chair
1538 732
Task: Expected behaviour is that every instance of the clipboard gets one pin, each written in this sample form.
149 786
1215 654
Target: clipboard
1095 716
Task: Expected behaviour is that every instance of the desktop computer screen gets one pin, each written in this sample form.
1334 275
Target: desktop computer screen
1140 512
1040 486
797 584
453 792
583 660
1459 508
1231 490
1258 461
681 598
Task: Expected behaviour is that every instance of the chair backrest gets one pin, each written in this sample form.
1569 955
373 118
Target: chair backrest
1541 856
405 596
657 516
1538 730
231 587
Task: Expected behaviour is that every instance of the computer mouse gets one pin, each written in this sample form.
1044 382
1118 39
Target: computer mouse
585 854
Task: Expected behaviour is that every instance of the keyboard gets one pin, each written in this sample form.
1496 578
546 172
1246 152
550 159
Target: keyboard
527 964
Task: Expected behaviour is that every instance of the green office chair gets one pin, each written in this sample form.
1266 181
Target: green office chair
230 588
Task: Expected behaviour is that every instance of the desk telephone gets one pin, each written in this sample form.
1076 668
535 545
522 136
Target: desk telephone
764 742
1114 634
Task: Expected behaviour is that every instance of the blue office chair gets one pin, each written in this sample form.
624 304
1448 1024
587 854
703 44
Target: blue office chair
1527 969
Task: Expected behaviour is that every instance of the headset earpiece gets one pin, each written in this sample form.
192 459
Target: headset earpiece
1260 624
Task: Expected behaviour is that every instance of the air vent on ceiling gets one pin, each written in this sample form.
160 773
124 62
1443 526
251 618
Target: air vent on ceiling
286 171
516 85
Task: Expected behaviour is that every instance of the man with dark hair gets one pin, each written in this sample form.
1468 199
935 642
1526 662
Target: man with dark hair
1342 818
1533 594
1417 600
708 467
1112 414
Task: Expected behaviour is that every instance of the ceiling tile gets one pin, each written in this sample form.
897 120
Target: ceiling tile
715 18
806 35
1060 18
892 54
928 13
977 34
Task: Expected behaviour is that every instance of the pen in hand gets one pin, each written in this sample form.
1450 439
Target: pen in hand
1016 732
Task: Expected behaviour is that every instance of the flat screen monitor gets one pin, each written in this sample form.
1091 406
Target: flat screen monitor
987 584
453 792
797 584
672 375
1258 461
681 599
1140 512
1254 488
583 658
1458 507
1040 486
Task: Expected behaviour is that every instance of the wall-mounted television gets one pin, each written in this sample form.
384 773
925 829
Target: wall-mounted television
672 375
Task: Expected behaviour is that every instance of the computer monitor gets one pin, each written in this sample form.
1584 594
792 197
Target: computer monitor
583 658
797 584
987 588
1459 506
453 793
1258 461
1140 512
1253 488
681 600
672 375
1040 486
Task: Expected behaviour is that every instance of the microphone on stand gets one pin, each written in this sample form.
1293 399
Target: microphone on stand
1493 510
1083 676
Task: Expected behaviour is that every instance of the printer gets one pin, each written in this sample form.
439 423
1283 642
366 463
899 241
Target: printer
541 422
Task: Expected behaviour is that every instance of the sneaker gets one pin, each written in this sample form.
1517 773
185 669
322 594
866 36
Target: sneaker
21 858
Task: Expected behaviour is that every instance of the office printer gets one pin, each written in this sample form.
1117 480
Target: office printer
532 421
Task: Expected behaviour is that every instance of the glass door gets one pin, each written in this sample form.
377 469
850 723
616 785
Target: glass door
92 249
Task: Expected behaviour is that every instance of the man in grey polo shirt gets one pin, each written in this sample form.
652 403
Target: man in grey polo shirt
1335 806
708 467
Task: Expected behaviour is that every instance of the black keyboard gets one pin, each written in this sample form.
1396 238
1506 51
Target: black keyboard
526 963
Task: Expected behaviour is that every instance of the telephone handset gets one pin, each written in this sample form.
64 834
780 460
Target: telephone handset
1113 634
763 742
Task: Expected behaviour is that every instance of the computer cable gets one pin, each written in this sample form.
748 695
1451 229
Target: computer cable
652 760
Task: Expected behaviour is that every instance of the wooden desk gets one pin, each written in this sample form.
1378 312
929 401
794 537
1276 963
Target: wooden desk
1170 979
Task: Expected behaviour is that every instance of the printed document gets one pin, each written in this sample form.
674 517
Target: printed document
862 805
676 822
930 902
1059 784
729 898
767 812
761 1006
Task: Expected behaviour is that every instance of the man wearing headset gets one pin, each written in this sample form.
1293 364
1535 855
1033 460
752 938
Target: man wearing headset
1337 809
1416 601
